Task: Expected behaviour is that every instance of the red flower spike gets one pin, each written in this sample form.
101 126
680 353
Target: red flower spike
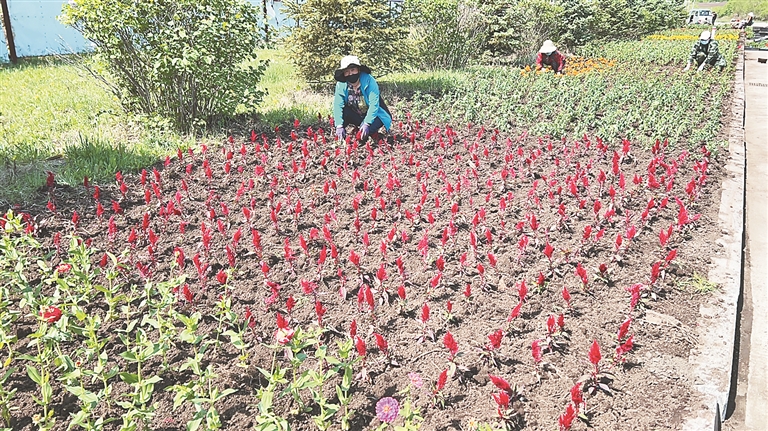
624 329
381 343
502 400
536 351
551 328
468 291
360 346
450 343
500 383
594 353
522 291
495 338
401 292
441 380
515 311
221 277
576 397
566 419
671 256
289 304
320 312
561 321
282 322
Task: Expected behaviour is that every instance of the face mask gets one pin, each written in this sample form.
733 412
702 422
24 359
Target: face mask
704 42
353 78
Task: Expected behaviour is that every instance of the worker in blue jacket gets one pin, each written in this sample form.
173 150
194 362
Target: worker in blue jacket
358 100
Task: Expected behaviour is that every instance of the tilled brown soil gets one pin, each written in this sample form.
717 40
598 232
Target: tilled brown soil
445 203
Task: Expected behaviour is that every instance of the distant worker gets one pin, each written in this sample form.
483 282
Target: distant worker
750 20
705 53
550 56
358 100
714 18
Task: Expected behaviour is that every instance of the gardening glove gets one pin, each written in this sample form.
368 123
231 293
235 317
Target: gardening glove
701 67
687 67
341 133
364 131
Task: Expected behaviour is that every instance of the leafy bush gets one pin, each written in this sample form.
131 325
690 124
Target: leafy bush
519 28
330 29
740 9
191 61
445 34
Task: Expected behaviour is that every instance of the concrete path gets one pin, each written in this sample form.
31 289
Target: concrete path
751 401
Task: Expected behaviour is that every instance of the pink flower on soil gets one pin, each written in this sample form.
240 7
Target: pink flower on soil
387 409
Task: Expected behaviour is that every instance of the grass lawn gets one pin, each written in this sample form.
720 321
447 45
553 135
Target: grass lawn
53 116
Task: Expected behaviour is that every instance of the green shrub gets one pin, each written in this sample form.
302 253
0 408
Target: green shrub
519 28
330 29
191 61
740 9
445 34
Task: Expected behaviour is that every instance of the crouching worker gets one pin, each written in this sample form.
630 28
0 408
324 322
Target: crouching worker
550 56
706 53
358 101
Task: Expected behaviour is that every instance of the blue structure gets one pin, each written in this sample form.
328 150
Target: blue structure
37 31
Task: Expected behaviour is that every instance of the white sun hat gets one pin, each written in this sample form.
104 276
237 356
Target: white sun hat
705 35
347 62
548 47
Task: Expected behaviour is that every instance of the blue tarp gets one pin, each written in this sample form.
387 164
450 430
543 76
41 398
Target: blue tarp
36 30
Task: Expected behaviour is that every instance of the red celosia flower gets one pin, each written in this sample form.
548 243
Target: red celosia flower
502 401
576 396
551 325
424 313
594 354
441 381
515 311
401 292
353 328
536 351
671 256
63 268
522 291
500 383
625 348
360 346
495 338
624 329
320 312
51 314
450 343
221 277
381 343
566 419
567 296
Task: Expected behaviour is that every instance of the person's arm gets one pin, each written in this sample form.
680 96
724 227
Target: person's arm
374 101
339 100
539 59
560 62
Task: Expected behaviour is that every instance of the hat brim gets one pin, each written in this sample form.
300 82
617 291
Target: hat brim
339 74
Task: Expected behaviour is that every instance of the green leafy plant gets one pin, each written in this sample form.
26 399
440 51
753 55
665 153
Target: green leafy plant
192 62
371 29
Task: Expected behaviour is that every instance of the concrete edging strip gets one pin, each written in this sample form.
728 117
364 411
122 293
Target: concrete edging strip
712 358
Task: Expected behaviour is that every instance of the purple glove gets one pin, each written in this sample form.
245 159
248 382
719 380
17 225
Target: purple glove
364 131
341 133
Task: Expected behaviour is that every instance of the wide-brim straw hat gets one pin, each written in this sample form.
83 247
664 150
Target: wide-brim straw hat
346 63
548 47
